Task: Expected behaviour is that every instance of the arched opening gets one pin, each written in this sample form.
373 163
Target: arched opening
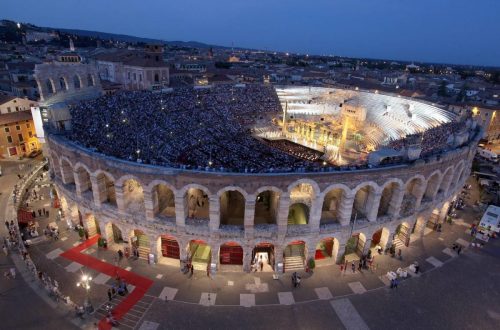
92 225
433 219
263 252
387 198
164 201
85 185
200 254
114 233
76 82
327 248
459 172
169 247
133 196
68 177
354 247
298 214
140 244
380 239
363 201
56 169
197 204
50 87
302 192
231 253
420 225
294 256
106 189
412 193
157 78
445 183
331 205
402 236
232 208
266 207
62 84
90 80
432 186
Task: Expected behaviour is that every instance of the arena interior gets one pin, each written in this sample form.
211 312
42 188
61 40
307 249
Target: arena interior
225 175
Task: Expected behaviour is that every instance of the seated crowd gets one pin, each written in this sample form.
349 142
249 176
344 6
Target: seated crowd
186 128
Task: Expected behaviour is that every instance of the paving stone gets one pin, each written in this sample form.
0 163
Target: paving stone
101 278
462 242
357 287
348 314
168 293
54 254
323 293
286 298
208 298
435 262
73 267
247 299
450 252
159 276
148 325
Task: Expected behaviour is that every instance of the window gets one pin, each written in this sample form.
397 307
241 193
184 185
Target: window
90 80
17 108
20 136
157 78
62 84
18 128
28 125
8 110
9 139
50 87
140 77
7 130
30 133
76 82
129 76
135 77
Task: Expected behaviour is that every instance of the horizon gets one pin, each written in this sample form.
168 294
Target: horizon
399 36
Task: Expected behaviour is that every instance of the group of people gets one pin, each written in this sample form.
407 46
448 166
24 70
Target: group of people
186 128
295 149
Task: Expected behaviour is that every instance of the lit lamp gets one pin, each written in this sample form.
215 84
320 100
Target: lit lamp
85 283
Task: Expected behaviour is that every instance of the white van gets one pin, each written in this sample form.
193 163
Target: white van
488 154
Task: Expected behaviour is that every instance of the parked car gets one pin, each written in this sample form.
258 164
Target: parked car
34 153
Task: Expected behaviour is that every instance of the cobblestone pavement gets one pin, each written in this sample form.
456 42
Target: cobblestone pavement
173 297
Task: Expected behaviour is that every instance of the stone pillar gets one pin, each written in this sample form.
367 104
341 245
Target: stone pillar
372 205
214 249
311 250
249 216
315 215
340 253
214 212
366 247
67 174
395 203
154 248
283 208
247 258
98 190
180 211
420 194
81 181
149 205
345 210
278 256
104 233
120 201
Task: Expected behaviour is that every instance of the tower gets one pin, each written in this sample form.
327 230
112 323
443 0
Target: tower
71 45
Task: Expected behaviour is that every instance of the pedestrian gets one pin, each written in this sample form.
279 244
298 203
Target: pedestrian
47 214
191 268
13 272
44 212
459 249
110 295
392 284
12 224
5 251
353 267
33 214
261 264
396 283
7 224
39 212
400 256
360 265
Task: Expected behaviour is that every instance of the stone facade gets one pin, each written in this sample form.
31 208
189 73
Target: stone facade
226 207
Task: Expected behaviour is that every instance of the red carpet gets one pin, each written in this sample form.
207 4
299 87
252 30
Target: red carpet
141 284
319 255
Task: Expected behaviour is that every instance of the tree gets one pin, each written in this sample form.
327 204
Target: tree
442 91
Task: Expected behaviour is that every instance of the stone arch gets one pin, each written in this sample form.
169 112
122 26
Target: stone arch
49 85
267 205
140 243
446 181
327 247
66 171
382 238
196 201
432 186
169 247
389 197
364 199
402 235
200 254
414 189
91 224
332 200
163 197
56 168
233 188
263 251
113 233
77 81
82 176
106 187
133 195
63 84
232 207
298 214
355 247
315 188
231 253
294 255
458 173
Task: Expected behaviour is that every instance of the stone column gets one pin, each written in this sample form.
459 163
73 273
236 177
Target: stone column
247 258
340 253
420 194
214 249
283 208
154 248
372 206
104 233
395 203
278 256
180 211
315 215
98 190
149 205
366 247
67 174
120 201
214 212
249 216
345 210
80 183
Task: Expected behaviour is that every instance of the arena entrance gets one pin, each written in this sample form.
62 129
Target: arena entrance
140 241
113 233
263 252
298 214
380 238
92 225
324 249
354 247
231 254
295 256
199 254
433 220
169 247
402 236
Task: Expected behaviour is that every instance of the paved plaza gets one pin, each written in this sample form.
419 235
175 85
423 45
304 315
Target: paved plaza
161 296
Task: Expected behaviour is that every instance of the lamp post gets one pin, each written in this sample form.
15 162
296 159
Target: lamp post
85 283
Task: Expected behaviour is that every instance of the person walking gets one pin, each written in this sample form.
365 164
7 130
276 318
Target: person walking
353 267
7 224
396 282
39 212
191 269
110 295
360 265
459 249
5 251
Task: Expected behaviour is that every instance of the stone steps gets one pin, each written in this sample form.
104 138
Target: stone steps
294 263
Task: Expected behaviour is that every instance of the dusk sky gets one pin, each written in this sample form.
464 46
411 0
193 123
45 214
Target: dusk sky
450 31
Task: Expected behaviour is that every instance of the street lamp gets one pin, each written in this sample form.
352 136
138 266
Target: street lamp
85 283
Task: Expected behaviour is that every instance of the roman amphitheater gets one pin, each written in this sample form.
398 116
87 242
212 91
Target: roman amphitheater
225 219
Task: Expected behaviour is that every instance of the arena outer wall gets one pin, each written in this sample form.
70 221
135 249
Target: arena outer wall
82 179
